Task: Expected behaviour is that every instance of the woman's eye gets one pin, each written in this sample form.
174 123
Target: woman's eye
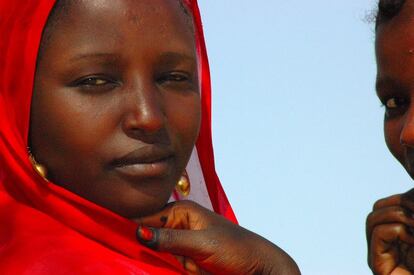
93 81
95 84
174 77
177 81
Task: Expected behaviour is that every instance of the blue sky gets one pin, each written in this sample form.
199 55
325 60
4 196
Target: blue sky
297 126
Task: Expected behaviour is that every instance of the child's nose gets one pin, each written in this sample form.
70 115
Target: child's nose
407 132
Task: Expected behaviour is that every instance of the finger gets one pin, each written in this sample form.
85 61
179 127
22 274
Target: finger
393 214
177 242
191 267
159 219
409 259
181 259
148 236
384 247
180 215
407 200
187 243
394 200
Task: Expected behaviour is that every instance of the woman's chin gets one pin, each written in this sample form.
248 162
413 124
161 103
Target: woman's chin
130 200
134 210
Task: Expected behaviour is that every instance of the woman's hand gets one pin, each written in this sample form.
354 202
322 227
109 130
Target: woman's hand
206 241
389 229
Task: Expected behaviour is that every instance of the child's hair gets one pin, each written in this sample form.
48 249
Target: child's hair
387 9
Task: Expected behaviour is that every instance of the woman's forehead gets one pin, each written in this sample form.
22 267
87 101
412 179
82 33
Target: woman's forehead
86 12
141 7
110 23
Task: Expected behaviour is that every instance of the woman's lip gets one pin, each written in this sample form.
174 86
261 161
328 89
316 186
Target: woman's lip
145 162
146 154
157 169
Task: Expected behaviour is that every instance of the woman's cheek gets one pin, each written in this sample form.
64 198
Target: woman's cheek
185 122
192 120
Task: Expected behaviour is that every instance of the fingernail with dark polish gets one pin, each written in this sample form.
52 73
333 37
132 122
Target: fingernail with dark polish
147 236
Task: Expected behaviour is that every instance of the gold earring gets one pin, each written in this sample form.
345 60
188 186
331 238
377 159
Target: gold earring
39 168
183 186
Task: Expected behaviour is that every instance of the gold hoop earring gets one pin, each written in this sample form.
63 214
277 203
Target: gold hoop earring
39 168
183 186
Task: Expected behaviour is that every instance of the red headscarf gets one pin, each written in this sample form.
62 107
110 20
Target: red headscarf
45 229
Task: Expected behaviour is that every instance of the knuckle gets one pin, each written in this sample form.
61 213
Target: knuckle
379 230
370 219
185 205
398 229
388 201
401 214
388 230
383 233
167 239
378 204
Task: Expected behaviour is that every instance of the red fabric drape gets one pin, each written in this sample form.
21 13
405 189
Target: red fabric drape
45 229
204 143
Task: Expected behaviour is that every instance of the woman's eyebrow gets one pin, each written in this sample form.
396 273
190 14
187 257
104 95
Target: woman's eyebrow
94 56
175 57
168 57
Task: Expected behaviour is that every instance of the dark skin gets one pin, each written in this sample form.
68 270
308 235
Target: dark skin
390 226
123 96
115 116
208 242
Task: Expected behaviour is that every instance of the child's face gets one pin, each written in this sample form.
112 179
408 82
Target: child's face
395 83
116 107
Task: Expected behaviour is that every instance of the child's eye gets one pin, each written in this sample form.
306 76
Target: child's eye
391 103
394 102
395 106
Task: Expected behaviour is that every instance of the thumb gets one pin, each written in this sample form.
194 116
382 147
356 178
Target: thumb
188 243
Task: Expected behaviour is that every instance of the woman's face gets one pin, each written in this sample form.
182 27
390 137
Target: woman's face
395 83
116 105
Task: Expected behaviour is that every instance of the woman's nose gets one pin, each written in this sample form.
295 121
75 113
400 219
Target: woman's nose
407 131
144 114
